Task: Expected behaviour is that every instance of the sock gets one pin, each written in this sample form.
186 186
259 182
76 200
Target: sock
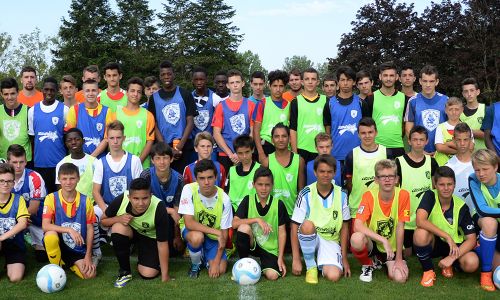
362 256
487 251
96 245
53 250
121 244
424 256
76 270
195 254
308 247
41 256
243 244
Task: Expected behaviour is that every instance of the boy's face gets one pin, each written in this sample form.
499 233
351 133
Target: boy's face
6 183
235 84
365 86
74 142
294 82
206 182
367 135
167 77
115 139
10 97
280 138
429 84
445 187
90 92
277 88
346 84
462 141
454 111
162 162
112 78
324 147
310 82
49 91
470 92
140 200
199 81
486 173
329 88
324 173
407 78
417 141
134 93
19 164
69 181
220 82
388 78
245 155
386 179
150 90
257 85
68 90
28 80
204 149
263 186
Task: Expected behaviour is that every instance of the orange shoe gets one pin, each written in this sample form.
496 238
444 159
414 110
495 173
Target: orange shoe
487 282
447 272
428 278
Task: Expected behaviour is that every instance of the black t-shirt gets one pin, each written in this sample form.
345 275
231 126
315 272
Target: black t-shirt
161 217
327 116
146 174
294 112
464 219
242 211
367 104
469 111
167 95
416 165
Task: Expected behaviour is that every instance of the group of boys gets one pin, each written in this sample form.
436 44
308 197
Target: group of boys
363 192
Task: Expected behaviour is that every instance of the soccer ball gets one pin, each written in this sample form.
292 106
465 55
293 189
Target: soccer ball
246 271
51 278
496 277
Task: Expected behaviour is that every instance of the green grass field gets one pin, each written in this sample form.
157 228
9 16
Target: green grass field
462 286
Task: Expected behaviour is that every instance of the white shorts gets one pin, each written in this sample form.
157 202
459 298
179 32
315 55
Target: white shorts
36 233
329 253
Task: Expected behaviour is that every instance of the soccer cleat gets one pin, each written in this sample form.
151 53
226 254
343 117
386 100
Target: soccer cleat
377 264
122 280
428 278
366 273
312 275
194 271
447 272
487 282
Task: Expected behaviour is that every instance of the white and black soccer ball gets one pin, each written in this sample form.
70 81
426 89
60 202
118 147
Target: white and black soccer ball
246 271
51 278
496 277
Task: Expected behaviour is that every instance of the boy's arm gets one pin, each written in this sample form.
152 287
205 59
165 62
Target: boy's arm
163 255
221 142
256 136
293 140
294 241
344 244
103 145
302 175
281 249
359 226
146 150
194 225
96 193
400 236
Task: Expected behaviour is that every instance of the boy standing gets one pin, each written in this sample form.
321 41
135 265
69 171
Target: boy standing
474 111
68 90
113 96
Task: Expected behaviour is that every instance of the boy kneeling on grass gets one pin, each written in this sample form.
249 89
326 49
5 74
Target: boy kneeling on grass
261 224
68 223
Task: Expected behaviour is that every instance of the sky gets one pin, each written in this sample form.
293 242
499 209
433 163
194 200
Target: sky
273 29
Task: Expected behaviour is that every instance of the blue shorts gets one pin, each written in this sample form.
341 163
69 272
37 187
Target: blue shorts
209 247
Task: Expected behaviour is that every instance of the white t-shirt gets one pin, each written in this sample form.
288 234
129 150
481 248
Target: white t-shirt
439 138
80 163
186 206
135 166
45 109
301 210
462 171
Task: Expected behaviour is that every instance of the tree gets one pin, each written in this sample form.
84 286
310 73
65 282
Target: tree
5 55
86 37
249 62
296 61
137 40
31 49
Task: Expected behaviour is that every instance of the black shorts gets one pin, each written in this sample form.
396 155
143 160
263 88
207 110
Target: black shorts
68 255
14 254
408 240
382 256
441 248
147 251
267 260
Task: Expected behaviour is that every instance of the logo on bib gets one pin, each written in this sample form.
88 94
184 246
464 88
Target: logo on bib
260 237
430 118
238 124
91 141
138 123
282 117
172 113
117 185
354 113
202 119
319 111
51 135
385 228
169 199
349 127
289 177
11 129
397 105
312 127
335 214
131 140
68 240
55 120
250 185
6 224
99 126
388 119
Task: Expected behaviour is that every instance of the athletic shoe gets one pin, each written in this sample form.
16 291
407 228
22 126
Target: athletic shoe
487 281
447 272
366 273
377 264
428 278
312 275
122 280
194 271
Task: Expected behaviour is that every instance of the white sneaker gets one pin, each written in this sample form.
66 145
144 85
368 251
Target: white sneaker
366 273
